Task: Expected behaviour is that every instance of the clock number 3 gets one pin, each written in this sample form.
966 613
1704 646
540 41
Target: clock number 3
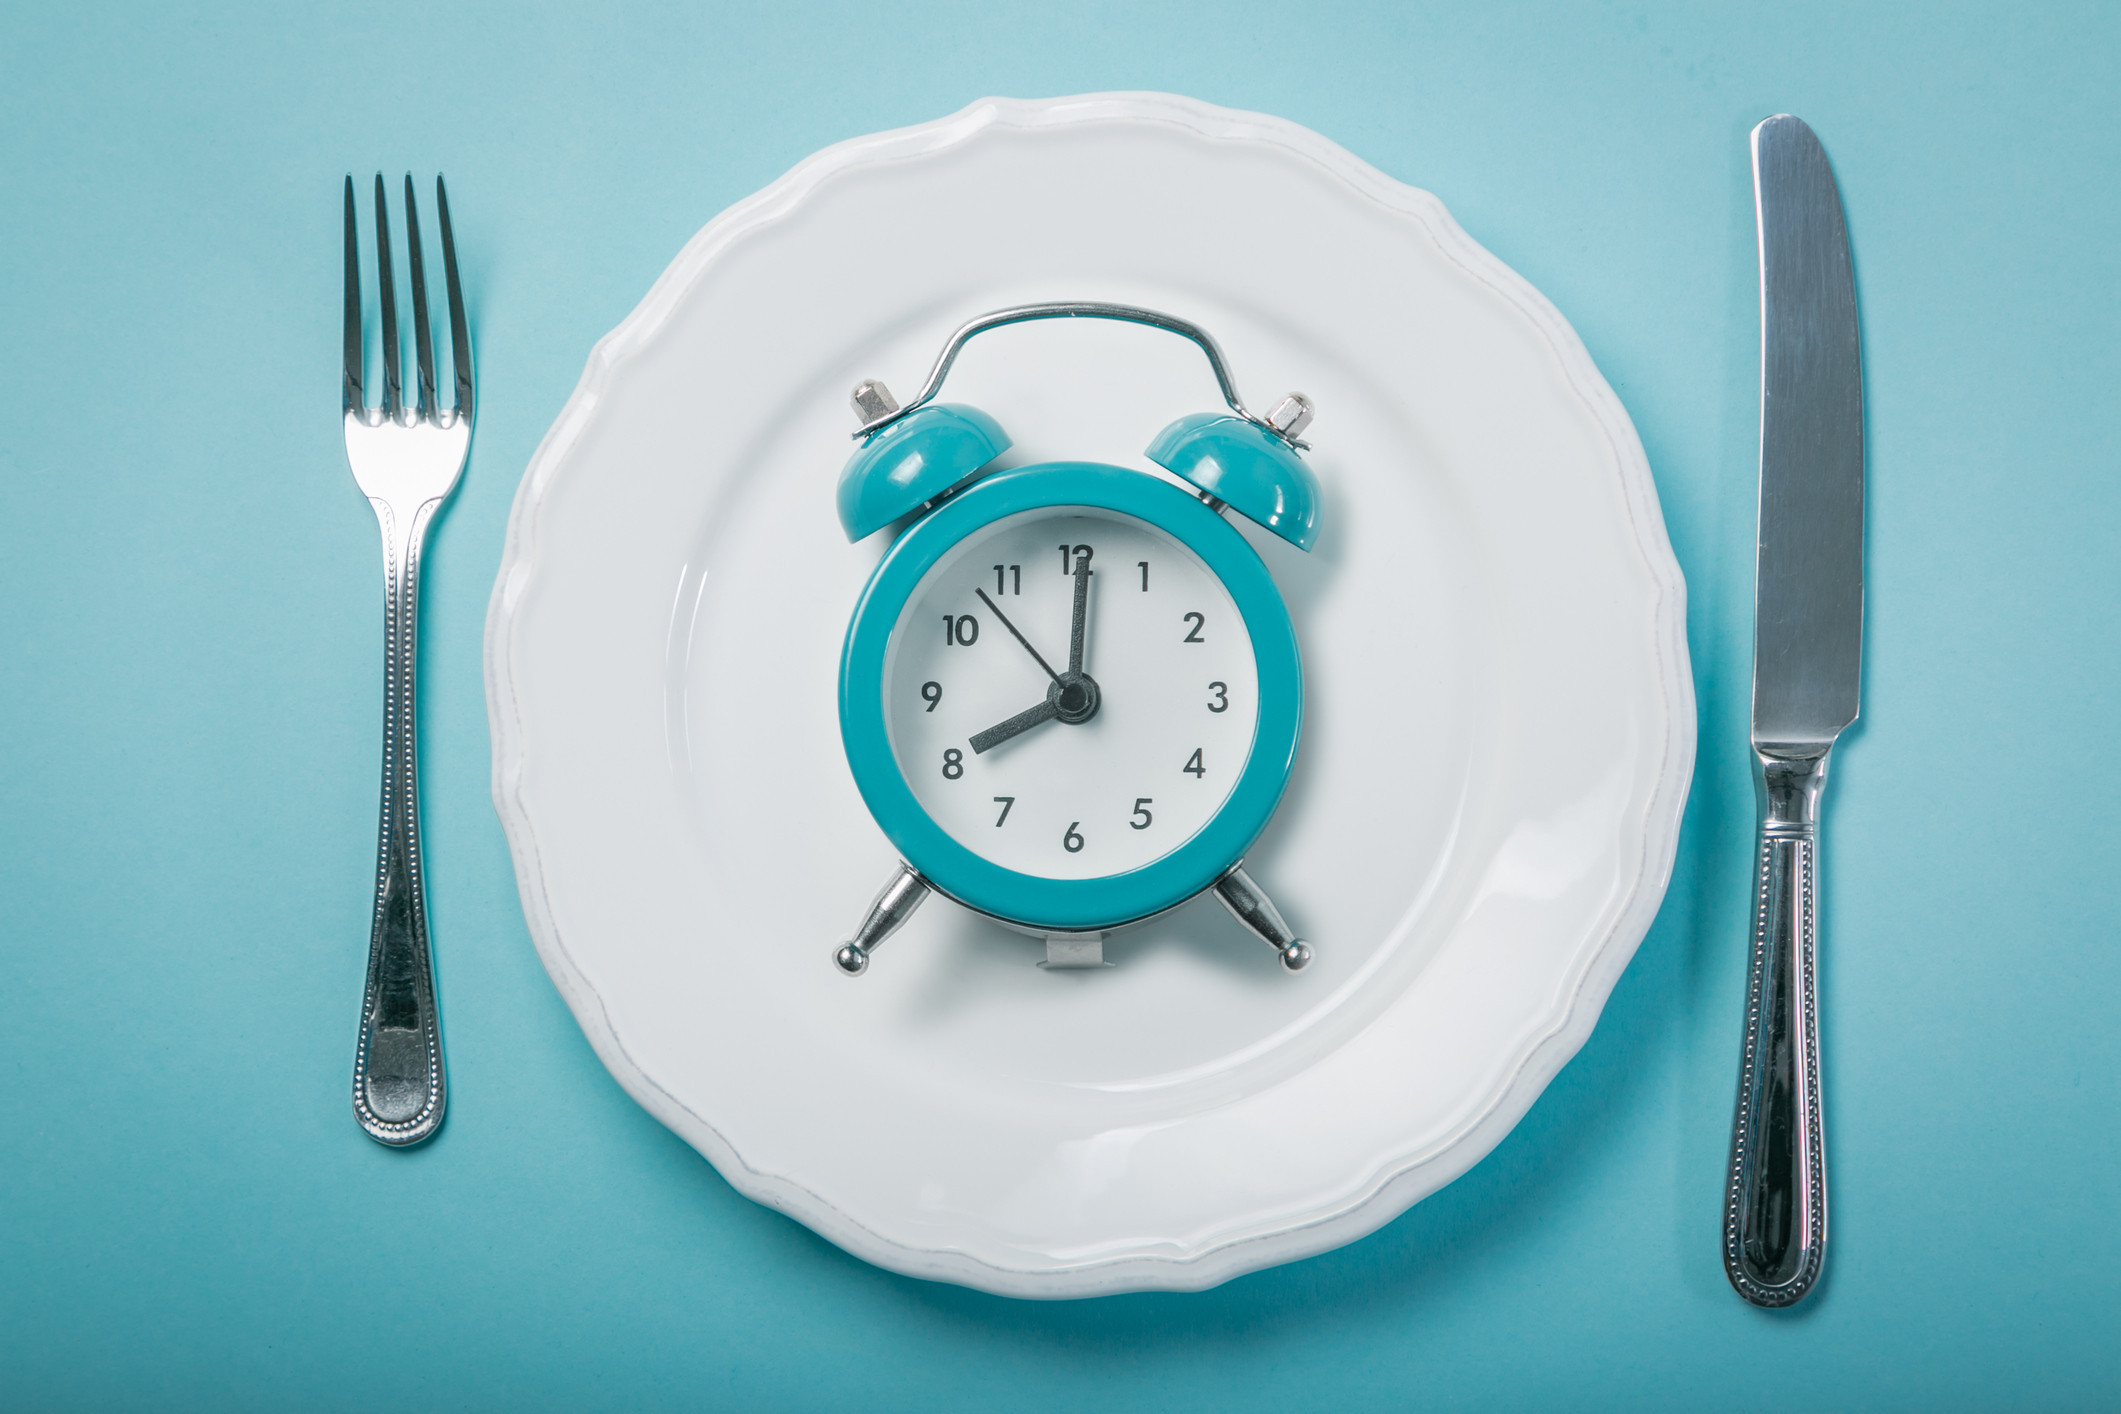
1220 704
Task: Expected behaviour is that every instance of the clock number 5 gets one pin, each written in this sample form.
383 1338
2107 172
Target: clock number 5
1142 818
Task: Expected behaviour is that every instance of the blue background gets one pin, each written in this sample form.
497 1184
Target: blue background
188 1216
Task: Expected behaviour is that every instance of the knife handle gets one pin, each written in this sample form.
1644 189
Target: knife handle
1774 1221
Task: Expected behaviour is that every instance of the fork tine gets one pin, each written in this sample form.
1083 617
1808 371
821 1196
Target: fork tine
422 342
459 331
387 291
353 305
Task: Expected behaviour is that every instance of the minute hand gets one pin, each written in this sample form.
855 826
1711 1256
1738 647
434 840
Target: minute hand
1082 611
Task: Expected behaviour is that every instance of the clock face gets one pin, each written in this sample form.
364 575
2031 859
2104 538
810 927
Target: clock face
1060 766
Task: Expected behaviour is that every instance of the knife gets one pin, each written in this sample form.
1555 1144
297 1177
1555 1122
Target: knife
1807 659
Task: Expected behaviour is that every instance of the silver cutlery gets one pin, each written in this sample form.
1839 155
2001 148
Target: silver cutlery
1807 661
406 461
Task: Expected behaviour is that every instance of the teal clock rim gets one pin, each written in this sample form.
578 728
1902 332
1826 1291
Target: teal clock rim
1076 904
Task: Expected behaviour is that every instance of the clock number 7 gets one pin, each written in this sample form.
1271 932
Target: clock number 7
1004 801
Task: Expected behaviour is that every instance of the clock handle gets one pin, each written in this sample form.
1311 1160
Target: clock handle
1249 905
886 916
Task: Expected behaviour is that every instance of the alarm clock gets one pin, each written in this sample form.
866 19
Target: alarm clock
1070 693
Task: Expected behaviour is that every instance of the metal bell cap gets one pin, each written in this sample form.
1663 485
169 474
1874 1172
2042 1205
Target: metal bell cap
1247 468
912 461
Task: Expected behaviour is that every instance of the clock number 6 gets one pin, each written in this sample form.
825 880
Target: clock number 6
1072 842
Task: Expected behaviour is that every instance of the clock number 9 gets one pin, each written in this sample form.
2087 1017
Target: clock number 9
953 764
932 693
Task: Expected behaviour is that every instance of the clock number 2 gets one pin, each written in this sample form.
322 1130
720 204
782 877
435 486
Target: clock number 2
1199 621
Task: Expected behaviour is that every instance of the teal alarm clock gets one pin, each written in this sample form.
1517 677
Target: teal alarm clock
1070 693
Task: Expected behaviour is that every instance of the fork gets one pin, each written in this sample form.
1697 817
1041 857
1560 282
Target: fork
406 461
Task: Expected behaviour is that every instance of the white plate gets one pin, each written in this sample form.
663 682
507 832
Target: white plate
1497 744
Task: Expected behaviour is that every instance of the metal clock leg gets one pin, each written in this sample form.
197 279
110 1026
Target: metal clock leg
886 916
1249 905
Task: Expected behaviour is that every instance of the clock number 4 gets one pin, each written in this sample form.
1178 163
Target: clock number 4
1193 766
960 632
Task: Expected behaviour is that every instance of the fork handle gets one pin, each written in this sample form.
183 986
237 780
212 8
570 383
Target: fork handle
398 1091
1774 1229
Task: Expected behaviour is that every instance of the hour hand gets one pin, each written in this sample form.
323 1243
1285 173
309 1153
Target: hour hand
1021 722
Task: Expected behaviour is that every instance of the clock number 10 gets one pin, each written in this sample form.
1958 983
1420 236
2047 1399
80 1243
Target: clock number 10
960 632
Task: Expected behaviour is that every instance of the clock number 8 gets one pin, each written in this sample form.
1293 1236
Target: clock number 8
953 764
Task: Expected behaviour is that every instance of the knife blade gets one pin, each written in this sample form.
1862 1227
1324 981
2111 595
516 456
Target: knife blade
1807 666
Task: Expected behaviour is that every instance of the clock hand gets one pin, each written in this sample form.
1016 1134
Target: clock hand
1082 608
1019 638
1022 722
